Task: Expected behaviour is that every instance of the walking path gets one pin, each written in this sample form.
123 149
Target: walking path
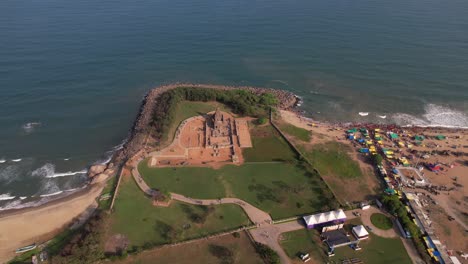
270 234
141 183
257 216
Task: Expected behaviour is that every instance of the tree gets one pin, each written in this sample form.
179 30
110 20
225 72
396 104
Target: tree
269 255
377 159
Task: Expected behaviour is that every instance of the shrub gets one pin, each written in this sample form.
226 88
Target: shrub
269 255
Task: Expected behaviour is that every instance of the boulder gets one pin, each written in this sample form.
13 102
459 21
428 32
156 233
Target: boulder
96 169
101 177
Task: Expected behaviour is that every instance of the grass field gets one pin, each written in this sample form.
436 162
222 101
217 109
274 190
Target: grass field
375 250
297 132
381 221
303 241
240 250
333 158
268 145
147 225
186 109
281 189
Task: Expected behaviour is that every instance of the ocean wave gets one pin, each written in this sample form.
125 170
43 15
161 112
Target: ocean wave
69 173
2 161
23 197
363 113
16 160
18 204
382 116
51 194
48 171
6 197
29 127
434 116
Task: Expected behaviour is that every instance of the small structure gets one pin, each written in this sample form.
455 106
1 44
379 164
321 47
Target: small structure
360 232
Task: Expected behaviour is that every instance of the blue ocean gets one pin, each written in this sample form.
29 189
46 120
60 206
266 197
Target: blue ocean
73 73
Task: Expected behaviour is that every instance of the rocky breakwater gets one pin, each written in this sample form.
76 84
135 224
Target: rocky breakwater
141 132
101 172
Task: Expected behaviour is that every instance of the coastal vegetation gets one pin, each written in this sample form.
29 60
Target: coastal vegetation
146 226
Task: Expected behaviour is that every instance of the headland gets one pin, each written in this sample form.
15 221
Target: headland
260 126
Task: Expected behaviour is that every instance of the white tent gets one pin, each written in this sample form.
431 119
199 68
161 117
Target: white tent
321 218
360 232
339 214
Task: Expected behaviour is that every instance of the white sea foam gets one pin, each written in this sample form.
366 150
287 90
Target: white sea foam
363 113
2 161
16 160
66 159
23 197
69 173
51 194
29 127
9 173
6 197
382 116
434 116
48 171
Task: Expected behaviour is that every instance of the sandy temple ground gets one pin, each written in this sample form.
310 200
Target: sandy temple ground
22 228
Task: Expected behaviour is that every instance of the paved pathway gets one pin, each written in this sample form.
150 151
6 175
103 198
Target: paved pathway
141 183
270 234
257 216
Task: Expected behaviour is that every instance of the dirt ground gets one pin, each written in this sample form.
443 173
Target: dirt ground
199 252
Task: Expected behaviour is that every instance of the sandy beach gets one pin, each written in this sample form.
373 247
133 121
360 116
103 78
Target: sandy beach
37 225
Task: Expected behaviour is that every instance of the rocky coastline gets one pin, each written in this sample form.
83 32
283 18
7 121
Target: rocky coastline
139 132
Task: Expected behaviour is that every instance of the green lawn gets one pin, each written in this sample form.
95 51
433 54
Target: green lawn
268 145
333 158
147 225
375 250
297 132
381 221
303 241
281 189
186 109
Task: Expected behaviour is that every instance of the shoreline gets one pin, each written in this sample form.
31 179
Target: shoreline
136 141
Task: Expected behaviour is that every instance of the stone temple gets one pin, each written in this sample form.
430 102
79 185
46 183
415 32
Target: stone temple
212 139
